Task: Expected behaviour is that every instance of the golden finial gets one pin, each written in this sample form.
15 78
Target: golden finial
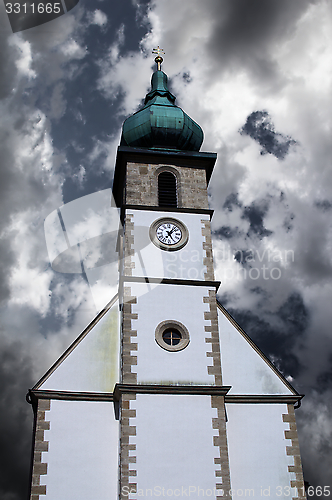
158 59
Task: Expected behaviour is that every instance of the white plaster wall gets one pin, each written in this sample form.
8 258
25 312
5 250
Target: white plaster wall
93 366
257 451
242 367
174 445
153 262
83 451
182 303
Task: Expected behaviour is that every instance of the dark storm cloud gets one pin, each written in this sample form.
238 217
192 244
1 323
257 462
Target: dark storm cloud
277 342
313 422
7 260
232 200
255 215
323 205
242 256
15 421
226 232
245 31
324 380
260 128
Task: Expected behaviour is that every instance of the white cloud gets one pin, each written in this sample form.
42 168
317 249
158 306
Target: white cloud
30 192
31 185
98 17
23 63
57 102
73 50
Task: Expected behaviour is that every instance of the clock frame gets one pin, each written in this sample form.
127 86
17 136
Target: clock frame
169 247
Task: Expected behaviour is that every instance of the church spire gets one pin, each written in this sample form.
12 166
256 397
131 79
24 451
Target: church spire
160 124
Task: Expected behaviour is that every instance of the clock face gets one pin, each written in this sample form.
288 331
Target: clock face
169 234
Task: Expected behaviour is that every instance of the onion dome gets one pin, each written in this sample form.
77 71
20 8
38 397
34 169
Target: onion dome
160 124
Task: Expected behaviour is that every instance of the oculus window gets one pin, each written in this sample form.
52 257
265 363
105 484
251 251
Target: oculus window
172 336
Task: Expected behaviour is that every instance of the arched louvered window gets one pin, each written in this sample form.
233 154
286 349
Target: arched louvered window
167 190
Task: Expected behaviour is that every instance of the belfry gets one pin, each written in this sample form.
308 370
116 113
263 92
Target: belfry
164 394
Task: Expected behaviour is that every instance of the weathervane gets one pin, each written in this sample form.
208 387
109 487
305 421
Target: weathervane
158 59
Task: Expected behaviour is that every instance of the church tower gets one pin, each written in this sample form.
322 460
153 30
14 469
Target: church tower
164 394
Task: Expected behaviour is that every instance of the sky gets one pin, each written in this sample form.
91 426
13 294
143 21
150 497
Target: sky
256 75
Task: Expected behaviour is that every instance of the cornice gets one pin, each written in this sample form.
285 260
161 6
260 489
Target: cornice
171 281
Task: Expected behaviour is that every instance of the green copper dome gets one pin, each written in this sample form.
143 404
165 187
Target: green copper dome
160 124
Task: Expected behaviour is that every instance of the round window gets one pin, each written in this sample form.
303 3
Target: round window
172 335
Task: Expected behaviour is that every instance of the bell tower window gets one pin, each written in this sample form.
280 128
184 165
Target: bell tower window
167 193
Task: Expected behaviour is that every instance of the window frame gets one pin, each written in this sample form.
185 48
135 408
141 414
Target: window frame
177 174
176 325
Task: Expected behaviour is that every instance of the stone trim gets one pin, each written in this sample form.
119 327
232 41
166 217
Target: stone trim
129 251
222 472
294 450
39 467
212 315
126 458
127 359
207 246
182 210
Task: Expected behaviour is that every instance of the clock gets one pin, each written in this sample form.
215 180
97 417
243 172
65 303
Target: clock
169 234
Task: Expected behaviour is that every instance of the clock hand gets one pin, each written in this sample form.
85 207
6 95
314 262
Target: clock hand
170 232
